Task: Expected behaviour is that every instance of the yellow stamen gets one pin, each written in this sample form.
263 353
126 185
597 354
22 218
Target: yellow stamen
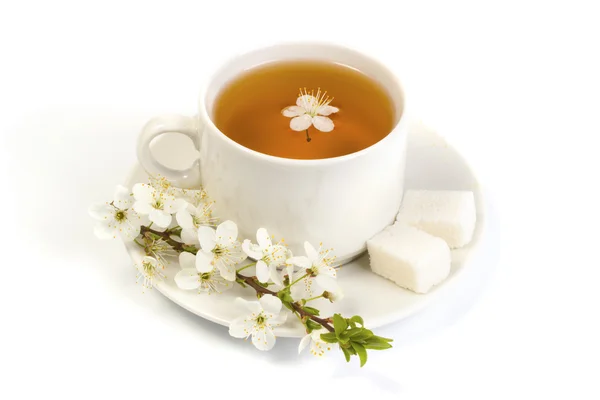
320 100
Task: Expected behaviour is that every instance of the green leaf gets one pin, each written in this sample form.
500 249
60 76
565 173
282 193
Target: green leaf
377 343
378 346
343 337
312 325
311 310
339 324
241 282
381 339
361 351
353 332
357 319
285 296
346 354
329 337
364 334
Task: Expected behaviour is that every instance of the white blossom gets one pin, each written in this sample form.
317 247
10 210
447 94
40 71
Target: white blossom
116 218
219 248
189 278
149 272
193 216
317 267
156 204
311 109
262 317
268 256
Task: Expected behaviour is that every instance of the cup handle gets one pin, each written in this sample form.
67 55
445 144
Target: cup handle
188 178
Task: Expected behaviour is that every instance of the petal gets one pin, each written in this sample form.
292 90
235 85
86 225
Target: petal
300 261
252 250
227 232
187 260
311 252
304 342
270 304
190 236
327 283
151 260
129 229
241 327
336 296
306 101
173 205
227 271
143 192
262 238
279 255
319 347
103 230
293 111
187 279
207 238
316 334
327 110
160 218
219 285
278 320
326 270
236 255
324 124
192 196
303 289
301 123
274 275
142 207
262 271
263 339
204 261
252 306
123 198
184 219
101 211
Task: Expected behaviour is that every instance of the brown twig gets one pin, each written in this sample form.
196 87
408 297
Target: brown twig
166 236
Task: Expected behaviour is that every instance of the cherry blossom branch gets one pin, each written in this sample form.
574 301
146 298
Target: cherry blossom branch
122 219
248 280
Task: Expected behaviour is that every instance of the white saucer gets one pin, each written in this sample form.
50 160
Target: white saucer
431 164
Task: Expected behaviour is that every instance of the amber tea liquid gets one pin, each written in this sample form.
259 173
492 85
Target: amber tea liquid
248 110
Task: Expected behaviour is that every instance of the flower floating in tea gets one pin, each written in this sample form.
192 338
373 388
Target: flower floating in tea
311 109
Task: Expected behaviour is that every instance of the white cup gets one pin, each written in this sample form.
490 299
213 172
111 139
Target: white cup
341 201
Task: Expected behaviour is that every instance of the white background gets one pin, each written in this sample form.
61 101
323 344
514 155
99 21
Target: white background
514 85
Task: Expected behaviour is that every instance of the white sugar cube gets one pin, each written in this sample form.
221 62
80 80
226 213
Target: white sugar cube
448 214
409 257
